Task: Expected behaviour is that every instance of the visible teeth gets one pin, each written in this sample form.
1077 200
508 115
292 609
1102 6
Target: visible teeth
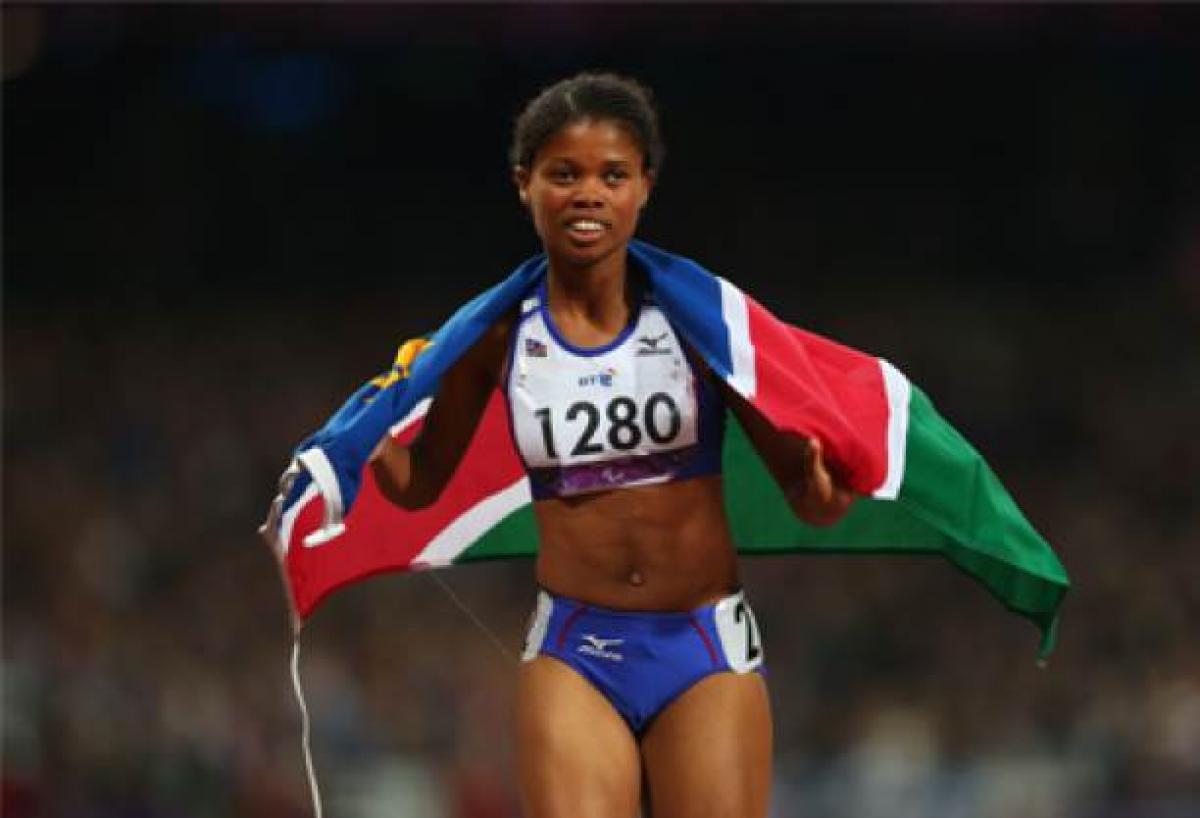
585 224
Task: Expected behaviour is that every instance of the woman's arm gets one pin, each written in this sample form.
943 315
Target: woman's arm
796 463
414 476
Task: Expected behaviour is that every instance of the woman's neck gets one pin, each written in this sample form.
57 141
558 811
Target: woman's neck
598 295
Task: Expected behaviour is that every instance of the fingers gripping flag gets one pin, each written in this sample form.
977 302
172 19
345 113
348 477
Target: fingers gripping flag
923 487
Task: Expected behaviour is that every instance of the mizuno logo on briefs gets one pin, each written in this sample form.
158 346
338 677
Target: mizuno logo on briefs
650 346
599 647
535 348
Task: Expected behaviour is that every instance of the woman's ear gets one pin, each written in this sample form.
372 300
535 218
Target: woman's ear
520 177
647 187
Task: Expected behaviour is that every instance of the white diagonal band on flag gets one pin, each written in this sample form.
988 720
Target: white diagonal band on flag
472 524
316 462
288 520
735 312
416 413
898 392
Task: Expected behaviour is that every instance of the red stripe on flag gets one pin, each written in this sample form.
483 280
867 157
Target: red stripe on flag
809 385
381 537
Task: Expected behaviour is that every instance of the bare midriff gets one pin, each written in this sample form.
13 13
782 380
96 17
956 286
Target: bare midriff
648 548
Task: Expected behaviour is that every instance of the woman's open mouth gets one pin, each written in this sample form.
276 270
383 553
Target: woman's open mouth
585 231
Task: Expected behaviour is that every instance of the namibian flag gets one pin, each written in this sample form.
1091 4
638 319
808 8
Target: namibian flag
925 489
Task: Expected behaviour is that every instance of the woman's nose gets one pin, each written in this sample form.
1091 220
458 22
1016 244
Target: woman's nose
588 193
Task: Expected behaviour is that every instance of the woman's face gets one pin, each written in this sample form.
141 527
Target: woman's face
585 191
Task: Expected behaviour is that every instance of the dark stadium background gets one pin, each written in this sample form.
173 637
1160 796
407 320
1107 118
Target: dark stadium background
218 220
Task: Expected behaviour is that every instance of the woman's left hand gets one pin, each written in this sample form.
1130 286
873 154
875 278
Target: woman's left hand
819 498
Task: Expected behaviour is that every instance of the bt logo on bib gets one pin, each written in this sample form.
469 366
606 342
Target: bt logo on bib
604 378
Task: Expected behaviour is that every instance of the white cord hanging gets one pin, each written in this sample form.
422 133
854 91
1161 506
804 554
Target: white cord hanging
305 729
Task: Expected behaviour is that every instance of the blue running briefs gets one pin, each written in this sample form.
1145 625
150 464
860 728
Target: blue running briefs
641 661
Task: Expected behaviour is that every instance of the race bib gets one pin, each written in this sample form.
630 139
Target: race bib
738 632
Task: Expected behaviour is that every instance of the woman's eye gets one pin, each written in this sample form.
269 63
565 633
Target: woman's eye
562 175
613 177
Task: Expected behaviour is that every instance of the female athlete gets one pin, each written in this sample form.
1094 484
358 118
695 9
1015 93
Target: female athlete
642 673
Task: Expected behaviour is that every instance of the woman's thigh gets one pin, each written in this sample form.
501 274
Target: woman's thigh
708 755
575 755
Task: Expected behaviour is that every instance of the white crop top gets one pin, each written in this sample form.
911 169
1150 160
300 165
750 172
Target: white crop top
631 412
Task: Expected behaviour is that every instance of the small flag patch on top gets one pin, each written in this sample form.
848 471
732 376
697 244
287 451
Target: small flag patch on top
535 348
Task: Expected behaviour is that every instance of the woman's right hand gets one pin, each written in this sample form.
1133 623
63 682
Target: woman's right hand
818 498
391 465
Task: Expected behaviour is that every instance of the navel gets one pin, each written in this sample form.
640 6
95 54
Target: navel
635 578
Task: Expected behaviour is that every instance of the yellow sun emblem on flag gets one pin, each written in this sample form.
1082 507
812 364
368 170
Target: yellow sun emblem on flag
405 355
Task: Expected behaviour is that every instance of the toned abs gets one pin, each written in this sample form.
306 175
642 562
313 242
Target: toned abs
663 547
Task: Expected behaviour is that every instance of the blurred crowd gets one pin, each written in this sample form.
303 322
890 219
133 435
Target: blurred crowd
162 356
146 635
